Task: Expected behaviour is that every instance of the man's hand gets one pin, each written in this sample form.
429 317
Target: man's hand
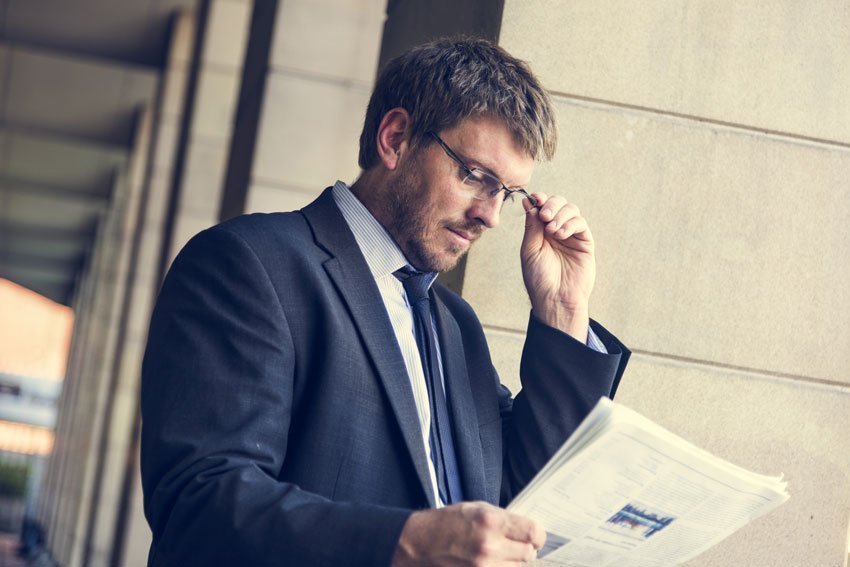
558 265
470 533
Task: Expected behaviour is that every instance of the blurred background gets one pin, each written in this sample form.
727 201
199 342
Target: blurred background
707 142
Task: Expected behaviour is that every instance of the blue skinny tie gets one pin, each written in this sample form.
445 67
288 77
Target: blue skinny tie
416 285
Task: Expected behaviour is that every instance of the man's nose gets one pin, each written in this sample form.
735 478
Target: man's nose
487 211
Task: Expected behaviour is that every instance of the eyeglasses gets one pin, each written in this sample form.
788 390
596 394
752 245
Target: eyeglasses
482 185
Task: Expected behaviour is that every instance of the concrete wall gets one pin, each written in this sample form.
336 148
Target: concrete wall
207 139
708 144
323 62
172 188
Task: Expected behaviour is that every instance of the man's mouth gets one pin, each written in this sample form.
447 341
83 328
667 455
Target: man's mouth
465 235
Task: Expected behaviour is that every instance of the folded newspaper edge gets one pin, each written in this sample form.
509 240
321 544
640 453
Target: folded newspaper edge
624 491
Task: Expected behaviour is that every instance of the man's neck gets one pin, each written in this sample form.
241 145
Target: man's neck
362 189
368 188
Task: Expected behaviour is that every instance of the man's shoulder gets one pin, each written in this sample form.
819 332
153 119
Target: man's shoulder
276 232
267 236
264 225
295 231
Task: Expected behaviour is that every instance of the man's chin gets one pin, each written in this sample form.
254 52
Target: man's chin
451 259
439 262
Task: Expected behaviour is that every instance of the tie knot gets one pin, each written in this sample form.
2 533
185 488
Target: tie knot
416 284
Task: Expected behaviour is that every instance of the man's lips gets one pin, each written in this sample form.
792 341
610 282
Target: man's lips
468 235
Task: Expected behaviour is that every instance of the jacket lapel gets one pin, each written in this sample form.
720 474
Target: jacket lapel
350 274
461 404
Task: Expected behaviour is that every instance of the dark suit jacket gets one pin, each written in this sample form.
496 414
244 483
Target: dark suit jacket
279 426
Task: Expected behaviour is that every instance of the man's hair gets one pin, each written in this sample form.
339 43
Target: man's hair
444 82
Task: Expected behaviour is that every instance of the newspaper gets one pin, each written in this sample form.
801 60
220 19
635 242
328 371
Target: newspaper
624 491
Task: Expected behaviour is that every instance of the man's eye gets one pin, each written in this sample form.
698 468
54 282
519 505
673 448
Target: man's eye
475 179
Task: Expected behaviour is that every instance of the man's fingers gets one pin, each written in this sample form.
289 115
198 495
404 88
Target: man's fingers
538 536
576 226
539 197
468 533
533 226
550 208
512 538
524 530
555 219
512 551
562 216
552 212
513 526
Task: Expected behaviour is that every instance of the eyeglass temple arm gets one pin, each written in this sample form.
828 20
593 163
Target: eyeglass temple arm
451 153
535 204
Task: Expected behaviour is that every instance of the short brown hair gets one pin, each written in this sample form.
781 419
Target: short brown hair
444 82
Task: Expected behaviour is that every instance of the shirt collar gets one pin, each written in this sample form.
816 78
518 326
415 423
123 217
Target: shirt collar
382 254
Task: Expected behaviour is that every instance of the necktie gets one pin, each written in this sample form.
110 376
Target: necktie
416 286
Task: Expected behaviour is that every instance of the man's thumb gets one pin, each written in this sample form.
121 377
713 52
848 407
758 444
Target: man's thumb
533 228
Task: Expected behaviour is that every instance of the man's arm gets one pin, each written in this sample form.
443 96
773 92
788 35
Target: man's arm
217 391
562 379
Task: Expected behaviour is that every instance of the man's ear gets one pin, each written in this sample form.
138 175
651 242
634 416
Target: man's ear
393 137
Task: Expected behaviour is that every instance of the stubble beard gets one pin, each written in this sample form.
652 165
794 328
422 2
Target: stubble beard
408 211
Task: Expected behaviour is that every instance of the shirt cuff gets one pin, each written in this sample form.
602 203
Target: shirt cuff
595 342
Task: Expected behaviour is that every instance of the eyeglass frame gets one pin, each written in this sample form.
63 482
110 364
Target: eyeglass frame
470 172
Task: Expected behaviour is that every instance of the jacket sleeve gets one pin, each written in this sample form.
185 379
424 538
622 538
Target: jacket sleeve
562 379
217 390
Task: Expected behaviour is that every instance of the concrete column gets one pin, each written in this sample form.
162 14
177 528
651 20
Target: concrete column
153 179
325 59
79 431
213 110
323 62
51 503
121 284
46 504
121 535
108 277
708 146
123 234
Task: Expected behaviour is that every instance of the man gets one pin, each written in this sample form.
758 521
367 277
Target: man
307 400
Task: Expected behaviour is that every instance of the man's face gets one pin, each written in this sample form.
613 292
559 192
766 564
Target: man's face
429 211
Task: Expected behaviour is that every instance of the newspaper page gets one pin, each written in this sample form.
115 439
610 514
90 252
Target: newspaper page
624 491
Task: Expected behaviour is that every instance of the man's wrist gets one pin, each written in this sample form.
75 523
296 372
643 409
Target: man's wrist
405 550
574 321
